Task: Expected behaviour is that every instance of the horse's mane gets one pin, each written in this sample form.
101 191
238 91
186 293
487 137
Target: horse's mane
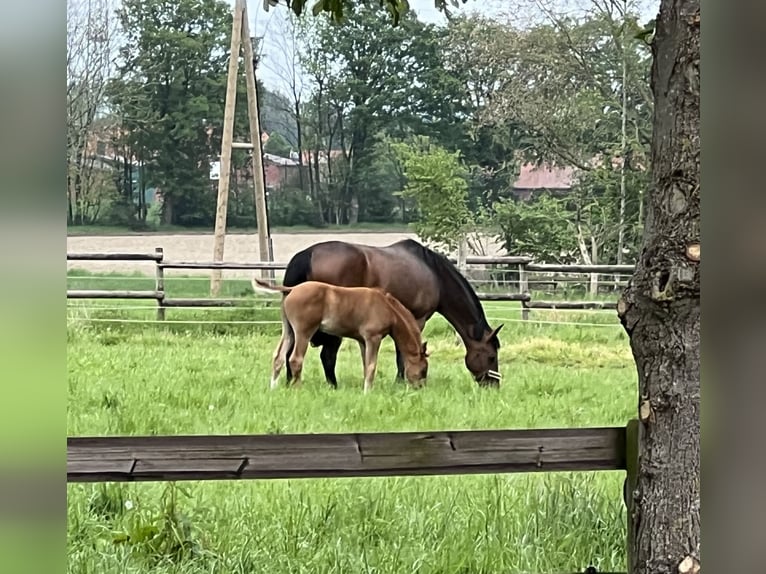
444 269
404 314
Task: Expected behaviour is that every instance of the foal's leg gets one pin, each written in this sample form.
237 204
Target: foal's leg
298 354
280 354
277 362
363 350
372 346
400 357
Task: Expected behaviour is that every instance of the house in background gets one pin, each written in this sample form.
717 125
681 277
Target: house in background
101 149
280 172
534 179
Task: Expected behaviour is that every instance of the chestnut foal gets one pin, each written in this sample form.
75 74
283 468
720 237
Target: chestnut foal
364 314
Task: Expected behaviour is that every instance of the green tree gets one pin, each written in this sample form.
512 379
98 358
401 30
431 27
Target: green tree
369 82
169 95
277 145
436 181
540 228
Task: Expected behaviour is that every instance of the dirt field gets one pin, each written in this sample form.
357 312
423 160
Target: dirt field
199 247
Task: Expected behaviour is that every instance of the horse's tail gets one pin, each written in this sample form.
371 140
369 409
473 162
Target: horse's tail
269 287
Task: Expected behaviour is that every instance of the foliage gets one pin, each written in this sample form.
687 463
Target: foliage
169 95
436 180
336 9
277 145
90 41
540 228
365 90
489 91
290 206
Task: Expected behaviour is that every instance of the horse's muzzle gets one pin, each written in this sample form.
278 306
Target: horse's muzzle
491 378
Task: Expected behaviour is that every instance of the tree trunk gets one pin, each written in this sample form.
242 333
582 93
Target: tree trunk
353 210
299 131
623 140
660 310
167 210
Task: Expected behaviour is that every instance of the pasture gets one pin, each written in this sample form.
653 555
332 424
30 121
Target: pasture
197 377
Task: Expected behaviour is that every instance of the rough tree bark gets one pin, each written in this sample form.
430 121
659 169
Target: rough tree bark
660 310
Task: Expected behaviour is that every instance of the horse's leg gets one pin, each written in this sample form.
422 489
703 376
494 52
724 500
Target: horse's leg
300 346
399 365
372 346
329 357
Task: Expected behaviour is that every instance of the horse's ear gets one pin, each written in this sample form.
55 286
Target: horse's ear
494 333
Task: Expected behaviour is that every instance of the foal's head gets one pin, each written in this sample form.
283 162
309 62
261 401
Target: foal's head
416 367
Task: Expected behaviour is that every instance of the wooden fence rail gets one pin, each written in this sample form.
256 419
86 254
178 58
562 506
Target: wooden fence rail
524 264
164 458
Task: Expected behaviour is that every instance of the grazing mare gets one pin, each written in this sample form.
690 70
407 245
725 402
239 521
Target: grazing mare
424 281
360 313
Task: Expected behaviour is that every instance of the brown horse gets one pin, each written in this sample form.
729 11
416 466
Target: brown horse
424 281
360 313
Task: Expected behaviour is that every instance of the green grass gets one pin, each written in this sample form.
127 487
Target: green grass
213 379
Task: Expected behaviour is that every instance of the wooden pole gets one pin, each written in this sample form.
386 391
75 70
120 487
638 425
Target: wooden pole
261 216
159 281
228 134
523 288
632 444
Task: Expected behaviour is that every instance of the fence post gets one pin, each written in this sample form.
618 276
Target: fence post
632 442
594 283
462 248
159 283
523 288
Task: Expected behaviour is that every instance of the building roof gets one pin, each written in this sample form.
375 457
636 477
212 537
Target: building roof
532 176
278 160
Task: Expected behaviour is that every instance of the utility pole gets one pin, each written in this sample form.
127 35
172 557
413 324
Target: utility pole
240 35
261 216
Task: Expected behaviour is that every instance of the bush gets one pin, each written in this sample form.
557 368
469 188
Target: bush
291 206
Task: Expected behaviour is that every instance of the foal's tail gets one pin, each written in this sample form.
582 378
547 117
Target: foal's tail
270 287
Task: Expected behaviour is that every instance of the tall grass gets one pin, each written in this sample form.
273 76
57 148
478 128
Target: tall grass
213 379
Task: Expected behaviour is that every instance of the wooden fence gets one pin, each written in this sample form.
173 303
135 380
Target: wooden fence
177 458
343 455
174 458
525 265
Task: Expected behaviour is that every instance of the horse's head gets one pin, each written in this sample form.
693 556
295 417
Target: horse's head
481 358
416 368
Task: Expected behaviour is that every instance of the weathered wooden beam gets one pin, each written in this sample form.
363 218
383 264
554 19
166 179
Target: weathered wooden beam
580 268
503 296
158 458
570 305
485 260
157 256
115 294
192 302
222 265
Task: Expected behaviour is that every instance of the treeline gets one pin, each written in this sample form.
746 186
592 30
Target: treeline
414 123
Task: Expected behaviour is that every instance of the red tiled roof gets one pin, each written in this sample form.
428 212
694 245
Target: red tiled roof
544 177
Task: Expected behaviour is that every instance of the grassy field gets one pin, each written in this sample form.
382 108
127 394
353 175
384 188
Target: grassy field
136 378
